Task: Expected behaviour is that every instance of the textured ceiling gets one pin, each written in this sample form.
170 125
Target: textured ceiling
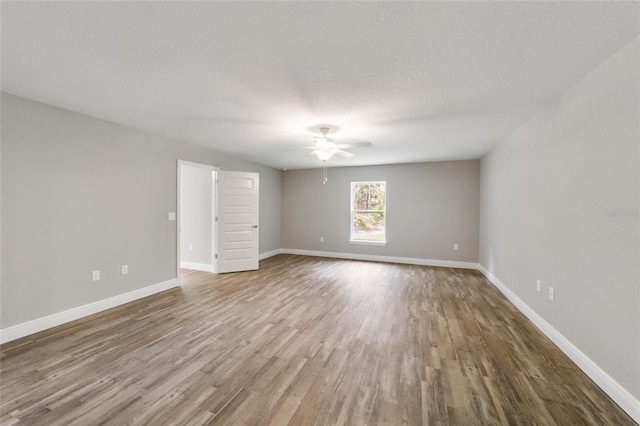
423 81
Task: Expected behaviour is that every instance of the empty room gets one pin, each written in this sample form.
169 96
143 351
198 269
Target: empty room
320 213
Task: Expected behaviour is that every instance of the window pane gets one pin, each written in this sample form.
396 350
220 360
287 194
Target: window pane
368 196
368 226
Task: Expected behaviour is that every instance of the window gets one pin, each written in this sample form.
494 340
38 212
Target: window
368 212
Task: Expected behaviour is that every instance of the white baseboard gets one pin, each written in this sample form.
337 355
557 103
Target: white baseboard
390 259
617 392
270 254
197 266
611 387
21 330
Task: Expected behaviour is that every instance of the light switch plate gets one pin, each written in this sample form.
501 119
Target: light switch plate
172 215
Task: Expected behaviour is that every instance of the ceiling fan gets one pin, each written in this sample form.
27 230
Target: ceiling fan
325 147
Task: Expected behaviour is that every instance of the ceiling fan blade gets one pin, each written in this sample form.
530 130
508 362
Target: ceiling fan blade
354 145
322 138
344 153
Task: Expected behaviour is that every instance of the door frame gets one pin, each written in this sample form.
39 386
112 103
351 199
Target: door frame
214 171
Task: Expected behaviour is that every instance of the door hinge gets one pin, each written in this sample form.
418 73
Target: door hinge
216 256
216 218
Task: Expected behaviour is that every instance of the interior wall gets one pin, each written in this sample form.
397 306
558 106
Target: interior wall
196 216
430 207
559 203
82 194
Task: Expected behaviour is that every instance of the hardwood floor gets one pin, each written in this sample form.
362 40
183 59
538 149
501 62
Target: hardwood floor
303 341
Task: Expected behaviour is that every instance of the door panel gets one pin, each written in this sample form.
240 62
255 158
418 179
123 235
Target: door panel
238 234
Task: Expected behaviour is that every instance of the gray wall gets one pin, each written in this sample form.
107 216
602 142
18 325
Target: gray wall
80 194
545 194
196 216
430 206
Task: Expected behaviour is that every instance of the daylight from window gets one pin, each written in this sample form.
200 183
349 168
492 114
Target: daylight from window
368 212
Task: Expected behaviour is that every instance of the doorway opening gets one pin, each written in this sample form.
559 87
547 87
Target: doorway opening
196 216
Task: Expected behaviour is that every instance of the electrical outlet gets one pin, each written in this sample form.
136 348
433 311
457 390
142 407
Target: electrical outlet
124 269
455 247
551 294
322 239
95 276
538 286
171 216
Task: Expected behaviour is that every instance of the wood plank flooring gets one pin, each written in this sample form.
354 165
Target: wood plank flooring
303 341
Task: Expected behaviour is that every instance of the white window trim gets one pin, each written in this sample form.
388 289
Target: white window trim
368 242
352 211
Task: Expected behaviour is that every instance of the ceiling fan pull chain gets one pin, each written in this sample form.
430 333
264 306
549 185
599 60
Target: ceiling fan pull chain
324 169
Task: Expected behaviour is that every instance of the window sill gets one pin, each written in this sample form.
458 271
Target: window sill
368 243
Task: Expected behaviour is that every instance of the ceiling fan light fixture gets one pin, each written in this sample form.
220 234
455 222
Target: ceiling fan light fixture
325 147
324 154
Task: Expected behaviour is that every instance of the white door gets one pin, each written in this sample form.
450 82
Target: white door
237 219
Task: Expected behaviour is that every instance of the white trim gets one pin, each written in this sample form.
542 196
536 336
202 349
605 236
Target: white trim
610 386
390 259
199 165
40 324
269 254
178 166
368 243
197 266
215 228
